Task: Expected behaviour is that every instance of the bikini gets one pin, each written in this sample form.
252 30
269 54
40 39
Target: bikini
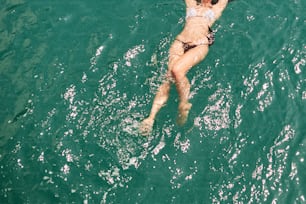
210 37
208 15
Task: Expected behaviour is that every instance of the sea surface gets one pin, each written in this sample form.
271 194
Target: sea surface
77 77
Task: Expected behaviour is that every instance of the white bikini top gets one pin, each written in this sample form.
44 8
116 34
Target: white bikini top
208 15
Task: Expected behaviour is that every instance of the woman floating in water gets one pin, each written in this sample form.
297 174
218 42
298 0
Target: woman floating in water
188 49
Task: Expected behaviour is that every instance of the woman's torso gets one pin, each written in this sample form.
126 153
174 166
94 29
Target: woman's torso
198 21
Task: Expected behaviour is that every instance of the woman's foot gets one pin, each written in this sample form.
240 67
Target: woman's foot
183 113
146 126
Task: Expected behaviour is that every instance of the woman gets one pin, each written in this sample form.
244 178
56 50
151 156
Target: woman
188 49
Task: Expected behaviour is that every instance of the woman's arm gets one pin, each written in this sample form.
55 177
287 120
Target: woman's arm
219 7
190 3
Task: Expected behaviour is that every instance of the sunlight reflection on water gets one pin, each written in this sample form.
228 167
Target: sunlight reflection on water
70 132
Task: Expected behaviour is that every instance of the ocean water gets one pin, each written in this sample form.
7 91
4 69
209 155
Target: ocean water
77 77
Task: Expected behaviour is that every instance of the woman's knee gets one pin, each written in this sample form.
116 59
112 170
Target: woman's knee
178 73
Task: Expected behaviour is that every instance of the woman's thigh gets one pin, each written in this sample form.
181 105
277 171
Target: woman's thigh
175 53
182 64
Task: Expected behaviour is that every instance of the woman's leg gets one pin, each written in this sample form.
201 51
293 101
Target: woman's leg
159 101
179 70
161 97
183 89
179 65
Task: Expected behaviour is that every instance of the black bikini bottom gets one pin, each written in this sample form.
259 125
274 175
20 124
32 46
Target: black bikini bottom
210 37
187 47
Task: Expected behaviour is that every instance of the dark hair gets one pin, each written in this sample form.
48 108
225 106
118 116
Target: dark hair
213 2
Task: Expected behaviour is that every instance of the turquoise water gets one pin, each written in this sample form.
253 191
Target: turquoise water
78 76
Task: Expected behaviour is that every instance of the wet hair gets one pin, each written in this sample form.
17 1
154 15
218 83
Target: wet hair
213 2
